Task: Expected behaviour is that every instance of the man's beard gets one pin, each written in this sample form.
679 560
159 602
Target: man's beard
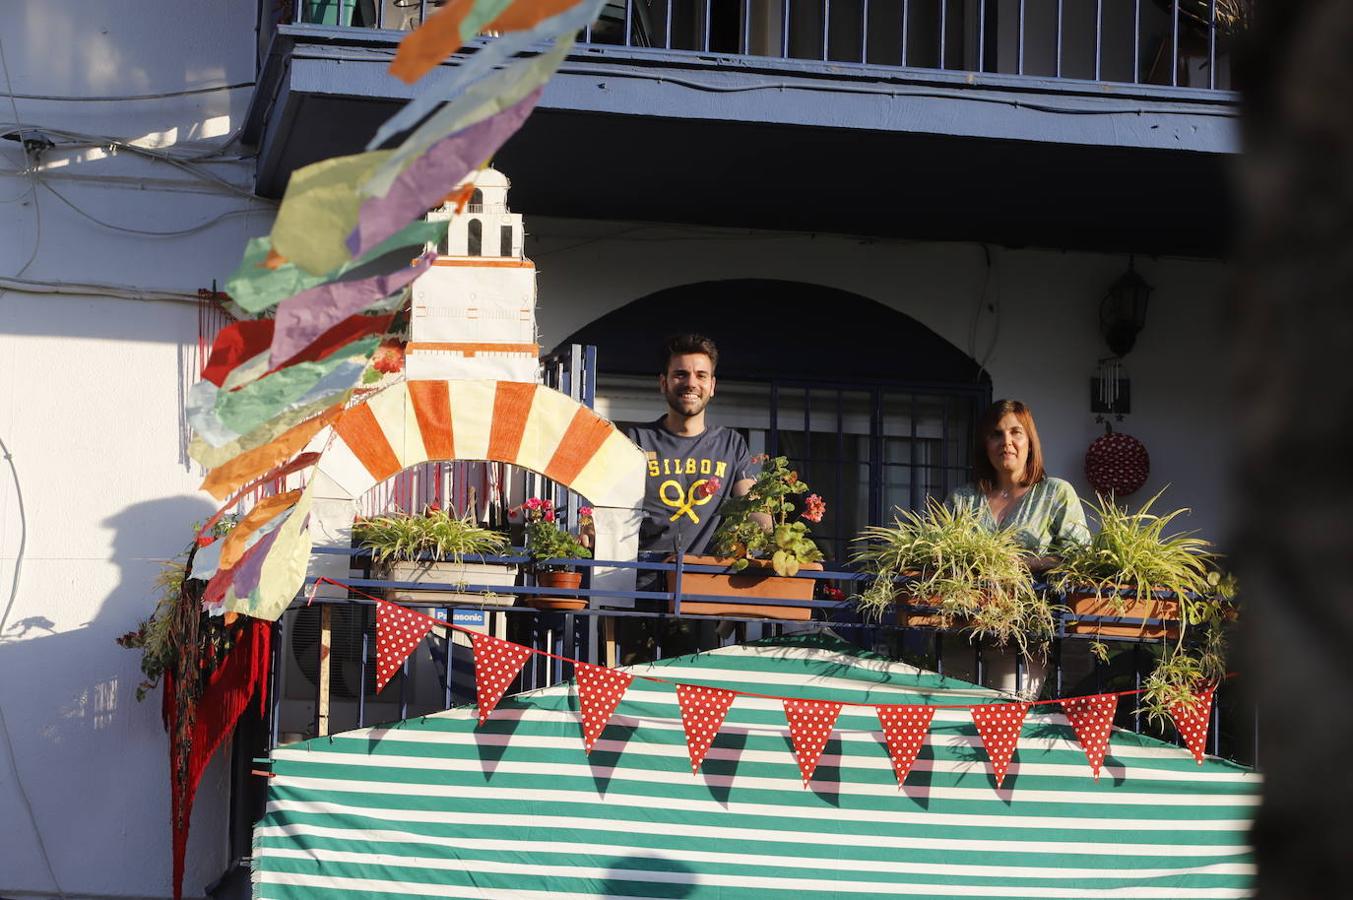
679 405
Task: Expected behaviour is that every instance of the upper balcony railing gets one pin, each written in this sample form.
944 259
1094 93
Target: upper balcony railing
1180 44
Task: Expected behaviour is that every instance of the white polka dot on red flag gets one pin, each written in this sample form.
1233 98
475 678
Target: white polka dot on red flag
1192 720
998 725
496 663
702 712
1092 720
904 731
599 693
810 724
398 633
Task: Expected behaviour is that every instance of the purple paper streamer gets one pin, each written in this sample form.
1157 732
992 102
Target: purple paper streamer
429 178
303 318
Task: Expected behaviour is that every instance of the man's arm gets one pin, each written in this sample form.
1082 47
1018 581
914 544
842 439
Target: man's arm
740 489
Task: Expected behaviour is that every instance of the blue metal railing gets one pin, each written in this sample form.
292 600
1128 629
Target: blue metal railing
1171 43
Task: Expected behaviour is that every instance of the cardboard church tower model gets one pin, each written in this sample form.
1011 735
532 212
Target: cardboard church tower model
469 390
474 311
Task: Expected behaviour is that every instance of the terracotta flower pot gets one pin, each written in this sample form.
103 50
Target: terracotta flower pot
566 580
758 581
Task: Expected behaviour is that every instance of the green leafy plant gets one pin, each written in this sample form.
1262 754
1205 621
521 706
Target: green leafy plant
742 534
436 534
546 540
163 638
947 559
1132 558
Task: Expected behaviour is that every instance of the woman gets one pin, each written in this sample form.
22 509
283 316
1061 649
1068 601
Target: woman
1013 493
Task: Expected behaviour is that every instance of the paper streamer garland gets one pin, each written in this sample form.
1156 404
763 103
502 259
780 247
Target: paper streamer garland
904 731
810 725
496 663
998 724
702 713
1092 720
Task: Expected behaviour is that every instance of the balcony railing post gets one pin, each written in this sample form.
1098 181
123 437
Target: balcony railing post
944 17
361 680
906 16
1174 43
1212 44
1136 41
1059 39
279 657
1019 55
1099 37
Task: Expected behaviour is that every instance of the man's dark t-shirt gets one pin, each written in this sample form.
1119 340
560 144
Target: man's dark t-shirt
679 469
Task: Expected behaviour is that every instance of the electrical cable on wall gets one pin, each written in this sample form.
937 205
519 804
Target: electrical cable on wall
23 520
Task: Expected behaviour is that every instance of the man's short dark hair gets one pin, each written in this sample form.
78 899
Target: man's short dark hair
680 344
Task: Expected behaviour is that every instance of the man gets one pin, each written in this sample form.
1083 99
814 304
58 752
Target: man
691 468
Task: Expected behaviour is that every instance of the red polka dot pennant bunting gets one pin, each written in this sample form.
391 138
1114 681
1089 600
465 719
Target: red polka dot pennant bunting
1092 720
496 663
398 633
998 724
702 712
904 730
599 693
1192 720
810 724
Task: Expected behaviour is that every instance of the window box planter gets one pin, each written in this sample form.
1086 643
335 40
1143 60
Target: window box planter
756 582
449 572
1087 603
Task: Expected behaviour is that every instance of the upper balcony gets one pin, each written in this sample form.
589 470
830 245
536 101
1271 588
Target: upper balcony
1099 124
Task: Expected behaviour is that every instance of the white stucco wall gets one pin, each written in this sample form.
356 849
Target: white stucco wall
90 407
1046 333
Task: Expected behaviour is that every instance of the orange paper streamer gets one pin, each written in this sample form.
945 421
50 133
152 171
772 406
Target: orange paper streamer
224 479
256 518
438 37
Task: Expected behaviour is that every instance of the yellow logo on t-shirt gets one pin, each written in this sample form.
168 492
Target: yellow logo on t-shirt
688 466
684 502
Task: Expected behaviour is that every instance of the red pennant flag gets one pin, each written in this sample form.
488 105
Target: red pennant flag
599 693
496 663
810 724
398 632
999 724
904 730
702 712
1092 720
1192 720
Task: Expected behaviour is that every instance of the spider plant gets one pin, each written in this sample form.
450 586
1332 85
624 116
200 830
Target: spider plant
947 559
1131 557
436 534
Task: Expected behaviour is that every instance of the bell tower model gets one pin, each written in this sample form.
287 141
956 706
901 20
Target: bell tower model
474 311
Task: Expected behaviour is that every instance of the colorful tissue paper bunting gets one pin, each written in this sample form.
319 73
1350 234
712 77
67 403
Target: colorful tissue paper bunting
319 294
810 722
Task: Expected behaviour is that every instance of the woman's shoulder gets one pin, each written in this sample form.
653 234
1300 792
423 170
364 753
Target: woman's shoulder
968 492
1058 487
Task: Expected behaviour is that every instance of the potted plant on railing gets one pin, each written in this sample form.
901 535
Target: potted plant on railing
762 542
1132 570
431 548
942 568
547 542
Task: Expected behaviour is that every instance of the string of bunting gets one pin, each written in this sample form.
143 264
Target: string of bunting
399 631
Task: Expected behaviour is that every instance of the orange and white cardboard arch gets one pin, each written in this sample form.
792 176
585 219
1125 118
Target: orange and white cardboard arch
527 425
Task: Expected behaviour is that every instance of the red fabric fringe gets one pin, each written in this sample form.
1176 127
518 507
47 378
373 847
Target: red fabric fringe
227 695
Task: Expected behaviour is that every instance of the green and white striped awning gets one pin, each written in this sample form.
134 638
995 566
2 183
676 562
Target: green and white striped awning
435 807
